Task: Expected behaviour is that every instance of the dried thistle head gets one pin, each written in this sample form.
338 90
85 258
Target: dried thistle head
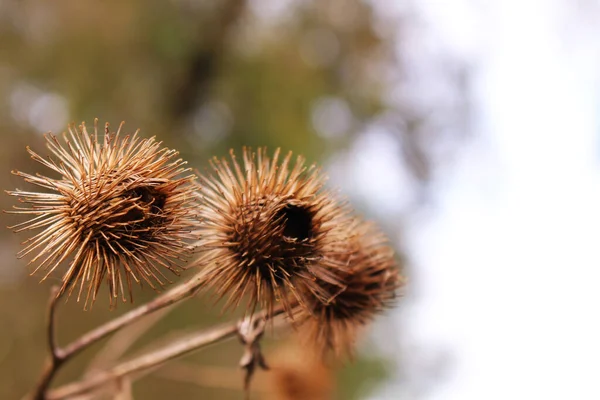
371 282
120 210
270 231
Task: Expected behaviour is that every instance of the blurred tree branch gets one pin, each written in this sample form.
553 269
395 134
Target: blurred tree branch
202 66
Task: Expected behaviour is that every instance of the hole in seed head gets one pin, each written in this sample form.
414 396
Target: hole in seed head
297 222
147 196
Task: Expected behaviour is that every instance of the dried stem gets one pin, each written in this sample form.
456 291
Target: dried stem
58 356
154 358
172 296
122 340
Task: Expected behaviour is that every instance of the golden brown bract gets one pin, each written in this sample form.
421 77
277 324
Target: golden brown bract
121 210
270 231
371 280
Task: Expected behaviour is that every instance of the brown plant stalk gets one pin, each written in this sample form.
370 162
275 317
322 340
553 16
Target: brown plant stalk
155 358
60 355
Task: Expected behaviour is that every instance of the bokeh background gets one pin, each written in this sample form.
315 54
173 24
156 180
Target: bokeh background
468 130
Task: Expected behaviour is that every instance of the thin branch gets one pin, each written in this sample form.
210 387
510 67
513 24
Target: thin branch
124 391
153 358
171 296
122 340
56 357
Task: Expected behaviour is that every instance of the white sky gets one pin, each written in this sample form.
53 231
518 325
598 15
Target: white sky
508 265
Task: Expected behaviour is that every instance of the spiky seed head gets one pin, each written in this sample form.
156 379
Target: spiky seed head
371 282
120 210
270 231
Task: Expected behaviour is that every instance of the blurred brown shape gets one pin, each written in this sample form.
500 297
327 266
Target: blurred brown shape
299 375
372 279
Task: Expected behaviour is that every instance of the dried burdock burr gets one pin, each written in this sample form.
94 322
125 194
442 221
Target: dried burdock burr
371 283
120 210
270 231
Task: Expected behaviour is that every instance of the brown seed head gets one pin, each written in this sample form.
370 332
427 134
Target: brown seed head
121 210
270 230
371 280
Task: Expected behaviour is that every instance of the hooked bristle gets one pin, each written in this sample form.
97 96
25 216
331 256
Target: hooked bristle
121 211
371 282
271 231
